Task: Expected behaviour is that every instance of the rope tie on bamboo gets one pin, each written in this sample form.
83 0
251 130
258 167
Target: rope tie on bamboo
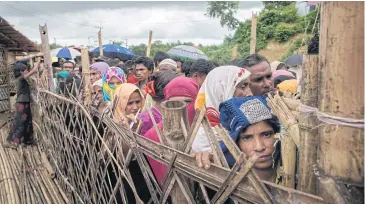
332 120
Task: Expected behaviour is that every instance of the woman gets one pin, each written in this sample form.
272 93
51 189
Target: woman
21 130
180 88
97 71
98 102
221 84
252 126
112 79
128 102
155 88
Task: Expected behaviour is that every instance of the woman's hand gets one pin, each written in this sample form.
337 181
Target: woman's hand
203 159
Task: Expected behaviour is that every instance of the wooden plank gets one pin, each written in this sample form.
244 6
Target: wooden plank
341 93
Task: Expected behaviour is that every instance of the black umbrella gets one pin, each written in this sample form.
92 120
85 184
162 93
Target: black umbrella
294 60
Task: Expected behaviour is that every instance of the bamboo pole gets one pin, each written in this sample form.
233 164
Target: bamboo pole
253 33
47 55
100 43
234 52
148 51
341 93
308 132
86 76
173 112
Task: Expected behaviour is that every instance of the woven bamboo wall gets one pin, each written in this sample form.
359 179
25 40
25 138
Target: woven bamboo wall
4 88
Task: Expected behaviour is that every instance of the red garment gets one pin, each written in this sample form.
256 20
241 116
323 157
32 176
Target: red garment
159 169
132 79
178 87
183 87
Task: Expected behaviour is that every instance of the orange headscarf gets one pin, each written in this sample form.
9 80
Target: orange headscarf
122 94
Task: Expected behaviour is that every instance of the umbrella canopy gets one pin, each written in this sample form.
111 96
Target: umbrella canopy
113 51
65 52
294 60
186 51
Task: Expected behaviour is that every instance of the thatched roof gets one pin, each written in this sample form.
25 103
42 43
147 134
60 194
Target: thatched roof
14 40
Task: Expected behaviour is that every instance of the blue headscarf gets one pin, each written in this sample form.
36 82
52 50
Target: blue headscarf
108 90
237 114
63 74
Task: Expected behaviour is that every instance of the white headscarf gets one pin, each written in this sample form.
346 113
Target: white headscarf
219 86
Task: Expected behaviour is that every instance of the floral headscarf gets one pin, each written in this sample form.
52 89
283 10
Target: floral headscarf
219 86
108 90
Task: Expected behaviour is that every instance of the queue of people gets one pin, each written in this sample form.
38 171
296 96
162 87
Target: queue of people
233 95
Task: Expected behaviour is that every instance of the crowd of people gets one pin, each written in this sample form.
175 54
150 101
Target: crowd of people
234 96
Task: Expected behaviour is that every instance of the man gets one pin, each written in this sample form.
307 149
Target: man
179 64
200 69
159 56
132 79
261 82
144 68
68 66
167 65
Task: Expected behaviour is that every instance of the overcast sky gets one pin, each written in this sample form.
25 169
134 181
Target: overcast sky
74 23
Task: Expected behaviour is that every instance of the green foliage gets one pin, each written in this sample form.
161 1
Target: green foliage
224 10
276 5
284 31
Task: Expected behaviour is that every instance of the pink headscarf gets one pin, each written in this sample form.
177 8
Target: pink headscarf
282 73
183 87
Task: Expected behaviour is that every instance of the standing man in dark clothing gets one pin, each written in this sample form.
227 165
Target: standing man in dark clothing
21 130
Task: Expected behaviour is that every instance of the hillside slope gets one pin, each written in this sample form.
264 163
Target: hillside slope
276 50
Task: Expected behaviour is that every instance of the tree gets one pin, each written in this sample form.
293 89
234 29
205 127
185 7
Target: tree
276 5
224 10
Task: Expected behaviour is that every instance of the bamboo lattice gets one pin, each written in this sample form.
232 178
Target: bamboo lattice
85 152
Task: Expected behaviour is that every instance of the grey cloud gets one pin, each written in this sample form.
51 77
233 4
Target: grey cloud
74 22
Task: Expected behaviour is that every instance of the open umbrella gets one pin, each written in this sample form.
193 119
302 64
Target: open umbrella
186 51
65 52
113 51
294 60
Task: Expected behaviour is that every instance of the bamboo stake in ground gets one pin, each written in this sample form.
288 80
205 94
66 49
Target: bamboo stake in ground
86 76
307 123
341 92
47 55
253 34
148 51
234 52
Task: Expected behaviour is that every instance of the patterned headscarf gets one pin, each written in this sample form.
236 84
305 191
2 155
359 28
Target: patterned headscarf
237 114
108 90
219 86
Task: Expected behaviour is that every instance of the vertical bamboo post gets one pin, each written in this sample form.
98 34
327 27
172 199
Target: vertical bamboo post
148 51
253 33
341 93
308 132
174 113
45 48
234 52
100 44
86 76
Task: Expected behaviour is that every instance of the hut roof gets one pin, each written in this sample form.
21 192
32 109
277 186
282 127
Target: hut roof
14 40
